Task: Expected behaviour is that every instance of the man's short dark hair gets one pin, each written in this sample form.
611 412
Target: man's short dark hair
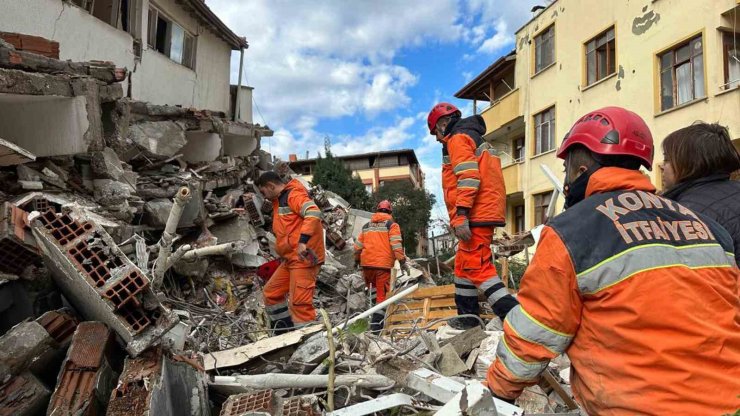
269 177
700 150
579 155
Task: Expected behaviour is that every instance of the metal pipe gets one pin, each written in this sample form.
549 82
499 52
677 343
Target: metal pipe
302 381
239 85
165 242
217 250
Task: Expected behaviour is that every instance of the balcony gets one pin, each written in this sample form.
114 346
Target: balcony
512 178
503 111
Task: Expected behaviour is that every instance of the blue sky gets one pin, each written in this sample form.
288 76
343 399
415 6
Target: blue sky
365 73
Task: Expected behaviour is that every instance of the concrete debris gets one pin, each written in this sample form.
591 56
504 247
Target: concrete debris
134 242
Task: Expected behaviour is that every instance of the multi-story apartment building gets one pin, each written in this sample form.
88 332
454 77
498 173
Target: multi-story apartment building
374 169
671 61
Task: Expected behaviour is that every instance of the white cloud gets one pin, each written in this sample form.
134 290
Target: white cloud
500 39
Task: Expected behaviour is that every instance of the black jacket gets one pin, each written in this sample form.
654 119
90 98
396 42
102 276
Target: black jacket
715 196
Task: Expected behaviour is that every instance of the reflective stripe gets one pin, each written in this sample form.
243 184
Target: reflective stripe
396 246
446 160
650 257
463 166
463 281
396 237
523 370
312 213
358 244
306 205
270 308
284 210
532 330
486 147
499 293
459 291
468 183
281 315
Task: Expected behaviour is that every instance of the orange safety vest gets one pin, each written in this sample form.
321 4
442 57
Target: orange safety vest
380 243
294 214
641 293
482 196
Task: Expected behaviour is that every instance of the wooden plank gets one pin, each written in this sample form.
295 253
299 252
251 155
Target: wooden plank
426 292
12 154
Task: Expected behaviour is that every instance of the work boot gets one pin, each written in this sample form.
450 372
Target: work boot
463 323
282 326
377 322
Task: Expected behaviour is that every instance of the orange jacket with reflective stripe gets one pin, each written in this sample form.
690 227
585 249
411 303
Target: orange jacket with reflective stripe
641 293
380 243
472 180
294 214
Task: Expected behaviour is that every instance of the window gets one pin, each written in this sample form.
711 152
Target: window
544 131
544 45
114 12
732 59
518 218
519 150
541 204
369 188
681 74
171 39
600 57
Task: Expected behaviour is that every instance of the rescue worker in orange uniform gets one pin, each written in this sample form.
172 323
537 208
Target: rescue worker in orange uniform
377 248
296 223
475 196
639 291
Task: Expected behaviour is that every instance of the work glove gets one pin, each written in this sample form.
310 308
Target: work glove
405 268
462 230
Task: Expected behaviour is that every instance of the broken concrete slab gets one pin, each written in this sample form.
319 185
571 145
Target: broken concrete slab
86 378
12 154
466 341
158 139
23 395
20 346
106 164
449 362
312 351
201 147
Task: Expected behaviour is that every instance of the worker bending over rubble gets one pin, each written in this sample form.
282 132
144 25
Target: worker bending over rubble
376 251
296 223
475 196
639 291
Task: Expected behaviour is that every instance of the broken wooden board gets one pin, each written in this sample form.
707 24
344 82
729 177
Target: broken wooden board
241 355
425 305
12 154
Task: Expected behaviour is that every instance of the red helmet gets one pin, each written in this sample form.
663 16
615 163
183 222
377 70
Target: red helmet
611 131
386 205
440 110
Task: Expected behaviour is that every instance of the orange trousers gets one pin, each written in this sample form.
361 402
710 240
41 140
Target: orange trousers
298 284
378 281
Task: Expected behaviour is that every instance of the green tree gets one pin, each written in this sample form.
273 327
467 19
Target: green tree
412 209
332 175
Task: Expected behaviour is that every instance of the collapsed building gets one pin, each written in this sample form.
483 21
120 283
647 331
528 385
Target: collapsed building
130 238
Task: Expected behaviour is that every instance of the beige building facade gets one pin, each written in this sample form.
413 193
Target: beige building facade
671 61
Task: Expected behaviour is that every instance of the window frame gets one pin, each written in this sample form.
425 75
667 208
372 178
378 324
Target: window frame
734 37
153 17
542 206
518 217
551 130
700 57
613 61
536 69
520 153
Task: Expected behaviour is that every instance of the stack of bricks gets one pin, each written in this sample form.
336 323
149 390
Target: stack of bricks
86 374
103 266
247 403
33 44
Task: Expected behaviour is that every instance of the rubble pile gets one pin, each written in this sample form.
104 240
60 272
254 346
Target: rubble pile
130 244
